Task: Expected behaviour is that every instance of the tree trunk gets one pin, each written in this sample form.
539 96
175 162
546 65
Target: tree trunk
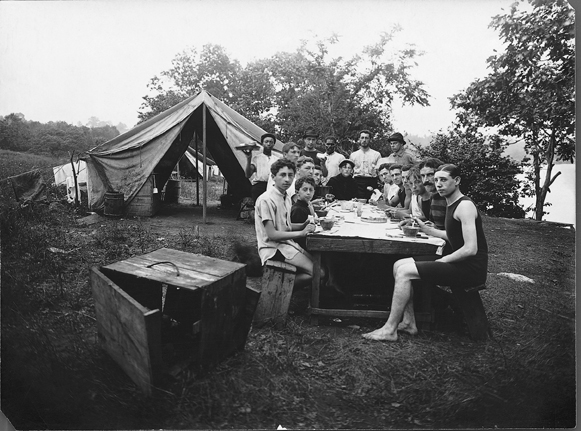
541 193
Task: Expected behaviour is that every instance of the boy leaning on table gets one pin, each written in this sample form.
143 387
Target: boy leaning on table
275 233
302 208
467 264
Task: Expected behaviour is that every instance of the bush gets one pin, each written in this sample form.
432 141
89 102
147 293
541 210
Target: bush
488 177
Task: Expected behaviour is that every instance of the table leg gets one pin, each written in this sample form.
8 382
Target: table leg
316 285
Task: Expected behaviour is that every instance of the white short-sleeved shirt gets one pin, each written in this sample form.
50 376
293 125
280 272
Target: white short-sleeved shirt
291 190
416 206
392 191
365 162
332 164
274 206
262 162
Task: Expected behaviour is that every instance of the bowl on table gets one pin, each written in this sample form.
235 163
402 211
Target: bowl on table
321 212
410 231
327 223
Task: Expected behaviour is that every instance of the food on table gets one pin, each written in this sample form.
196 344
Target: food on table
373 217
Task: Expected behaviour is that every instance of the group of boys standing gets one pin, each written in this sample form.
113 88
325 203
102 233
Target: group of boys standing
428 191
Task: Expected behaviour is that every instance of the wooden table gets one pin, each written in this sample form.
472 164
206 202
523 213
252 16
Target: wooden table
342 239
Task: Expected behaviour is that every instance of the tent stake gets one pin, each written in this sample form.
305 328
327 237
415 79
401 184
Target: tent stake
204 164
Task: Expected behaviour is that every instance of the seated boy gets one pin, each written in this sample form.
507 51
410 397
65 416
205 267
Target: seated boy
302 208
275 233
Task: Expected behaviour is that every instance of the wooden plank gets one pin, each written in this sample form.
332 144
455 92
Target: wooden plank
316 284
277 288
196 262
164 274
376 314
367 245
243 323
348 313
222 309
123 329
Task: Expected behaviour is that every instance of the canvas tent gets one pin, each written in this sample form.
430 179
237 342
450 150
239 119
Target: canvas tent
125 163
192 164
63 174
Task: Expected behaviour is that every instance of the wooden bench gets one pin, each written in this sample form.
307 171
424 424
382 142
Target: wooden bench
278 279
468 299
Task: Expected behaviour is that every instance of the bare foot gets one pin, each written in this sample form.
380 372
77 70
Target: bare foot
407 328
381 335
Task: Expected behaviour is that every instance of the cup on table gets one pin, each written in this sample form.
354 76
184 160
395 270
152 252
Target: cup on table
347 205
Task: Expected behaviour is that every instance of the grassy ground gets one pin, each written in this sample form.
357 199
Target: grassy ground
54 375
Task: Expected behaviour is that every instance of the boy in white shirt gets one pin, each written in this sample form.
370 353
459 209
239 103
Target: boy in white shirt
275 233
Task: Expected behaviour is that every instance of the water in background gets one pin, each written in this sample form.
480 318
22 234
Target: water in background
561 196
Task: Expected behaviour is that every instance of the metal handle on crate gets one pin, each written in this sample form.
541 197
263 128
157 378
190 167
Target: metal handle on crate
165 261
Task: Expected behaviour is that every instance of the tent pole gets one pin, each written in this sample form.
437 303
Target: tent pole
204 144
197 170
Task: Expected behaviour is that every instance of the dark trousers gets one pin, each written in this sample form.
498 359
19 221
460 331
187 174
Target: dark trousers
257 189
362 184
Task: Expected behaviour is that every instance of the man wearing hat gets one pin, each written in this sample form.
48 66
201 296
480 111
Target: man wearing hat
343 185
365 172
259 164
310 139
398 154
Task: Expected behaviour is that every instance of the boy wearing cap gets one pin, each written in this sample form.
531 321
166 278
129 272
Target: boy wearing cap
259 164
398 154
343 185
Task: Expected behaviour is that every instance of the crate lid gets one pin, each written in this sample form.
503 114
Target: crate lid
177 268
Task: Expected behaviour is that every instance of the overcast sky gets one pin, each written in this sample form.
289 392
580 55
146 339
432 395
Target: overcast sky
70 60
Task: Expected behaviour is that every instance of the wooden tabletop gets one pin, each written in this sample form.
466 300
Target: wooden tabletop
321 243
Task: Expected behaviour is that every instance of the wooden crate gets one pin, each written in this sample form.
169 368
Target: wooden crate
197 305
145 203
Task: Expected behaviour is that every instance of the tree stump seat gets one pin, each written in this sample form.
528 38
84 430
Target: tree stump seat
467 299
278 279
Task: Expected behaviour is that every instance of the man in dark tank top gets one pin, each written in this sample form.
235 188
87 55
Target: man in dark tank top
467 264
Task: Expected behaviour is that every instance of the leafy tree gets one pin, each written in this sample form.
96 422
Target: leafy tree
298 90
530 91
53 138
14 133
211 69
488 177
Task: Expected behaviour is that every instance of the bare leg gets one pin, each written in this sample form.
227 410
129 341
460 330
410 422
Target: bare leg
408 323
402 295
304 264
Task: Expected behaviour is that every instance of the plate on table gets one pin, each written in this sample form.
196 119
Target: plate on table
373 221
